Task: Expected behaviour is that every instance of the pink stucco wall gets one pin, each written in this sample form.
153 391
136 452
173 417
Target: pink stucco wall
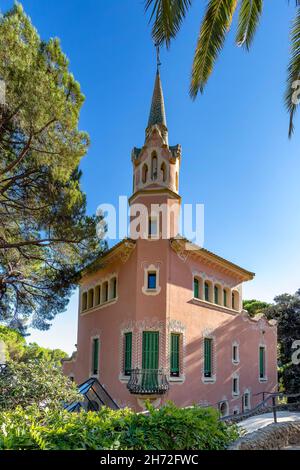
173 309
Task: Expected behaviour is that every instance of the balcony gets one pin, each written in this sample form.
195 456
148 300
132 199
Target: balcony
148 382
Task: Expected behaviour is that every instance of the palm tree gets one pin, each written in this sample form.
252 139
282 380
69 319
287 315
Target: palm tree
168 15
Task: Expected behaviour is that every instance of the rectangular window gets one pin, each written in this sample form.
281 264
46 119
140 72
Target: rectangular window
151 281
150 359
153 227
235 355
207 357
206 291
114 288
216 289
235 386
97 295
262 362
174 355
105 292
196 288
128 354
225 297
84 301
95 356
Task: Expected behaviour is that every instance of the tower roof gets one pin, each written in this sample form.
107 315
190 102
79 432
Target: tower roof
157 112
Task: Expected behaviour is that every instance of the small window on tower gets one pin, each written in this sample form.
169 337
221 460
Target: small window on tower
145 173
154 167
151 280
153 227
163 170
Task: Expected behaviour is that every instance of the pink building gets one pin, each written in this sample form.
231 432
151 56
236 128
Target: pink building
162 319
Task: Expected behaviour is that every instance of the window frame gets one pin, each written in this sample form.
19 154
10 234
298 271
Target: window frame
149 274
177 372
95 357
126 369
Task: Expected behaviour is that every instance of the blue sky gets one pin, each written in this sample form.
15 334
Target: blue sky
237 158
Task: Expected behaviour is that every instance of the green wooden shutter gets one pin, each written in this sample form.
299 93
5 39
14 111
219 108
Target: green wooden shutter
128 354
216 295
196 288
206 292
150 349
261 362
225 297
174 354
207 357
95 367
150 359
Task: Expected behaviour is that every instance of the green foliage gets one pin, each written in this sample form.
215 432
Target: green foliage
35 352
35 382
18 350
14 342
45 236
254 307
169 428
167 17
286 310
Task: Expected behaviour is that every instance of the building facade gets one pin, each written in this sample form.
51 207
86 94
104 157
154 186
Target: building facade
161 318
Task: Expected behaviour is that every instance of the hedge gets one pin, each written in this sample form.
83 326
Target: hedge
169 428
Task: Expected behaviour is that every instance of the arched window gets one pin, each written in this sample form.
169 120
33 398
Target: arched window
224 409
154 167
216 294
206 291
84 301
91 298
145 173
163 170
176 180
113 288
97 295
225 298
104 290
196 288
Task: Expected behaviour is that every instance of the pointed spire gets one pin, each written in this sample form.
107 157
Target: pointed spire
157 112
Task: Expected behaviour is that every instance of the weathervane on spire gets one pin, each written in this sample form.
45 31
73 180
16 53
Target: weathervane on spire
158 62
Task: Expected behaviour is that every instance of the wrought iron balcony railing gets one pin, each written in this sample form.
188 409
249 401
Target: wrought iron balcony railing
148 382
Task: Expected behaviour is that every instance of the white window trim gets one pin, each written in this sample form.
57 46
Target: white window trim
181 377
122 377
213 378
96 376
237 393
151 269
227 407
247 392
265 378
237 361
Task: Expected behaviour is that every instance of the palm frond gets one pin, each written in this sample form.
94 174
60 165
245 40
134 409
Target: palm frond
249 17
216 23
167 16
292 95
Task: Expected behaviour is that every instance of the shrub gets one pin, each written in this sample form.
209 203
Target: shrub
169 428
35 382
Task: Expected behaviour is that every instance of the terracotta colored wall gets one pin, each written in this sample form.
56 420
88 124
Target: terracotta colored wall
174 305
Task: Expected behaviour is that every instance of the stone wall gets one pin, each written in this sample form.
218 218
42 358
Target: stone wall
271 437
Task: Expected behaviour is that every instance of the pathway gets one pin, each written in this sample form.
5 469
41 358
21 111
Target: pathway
260 421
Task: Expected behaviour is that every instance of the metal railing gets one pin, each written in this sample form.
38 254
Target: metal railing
271 402
148 382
